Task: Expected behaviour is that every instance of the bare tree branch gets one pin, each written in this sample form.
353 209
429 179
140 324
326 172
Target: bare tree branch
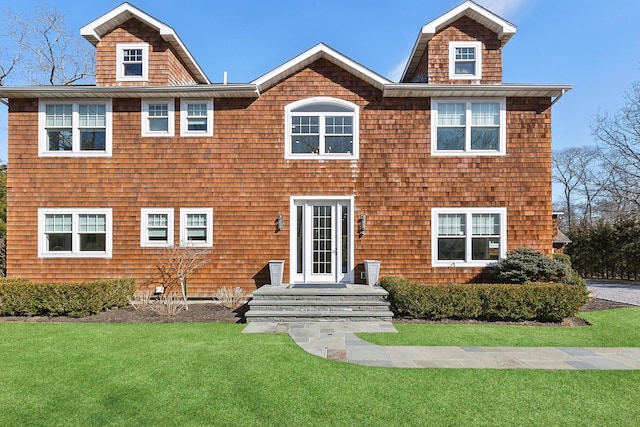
48 52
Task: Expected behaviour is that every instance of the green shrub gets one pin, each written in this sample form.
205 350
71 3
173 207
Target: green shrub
526 265
20 297
533 301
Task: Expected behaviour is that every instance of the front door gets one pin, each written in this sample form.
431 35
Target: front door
323 241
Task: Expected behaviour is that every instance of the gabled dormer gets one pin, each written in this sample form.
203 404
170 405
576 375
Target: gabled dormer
463 46
135 49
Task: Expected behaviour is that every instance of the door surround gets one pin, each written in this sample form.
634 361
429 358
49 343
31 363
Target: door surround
299 262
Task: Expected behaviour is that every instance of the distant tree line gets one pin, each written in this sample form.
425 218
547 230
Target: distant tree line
601 194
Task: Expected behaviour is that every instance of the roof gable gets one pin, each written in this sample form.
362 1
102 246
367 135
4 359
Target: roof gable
96 29
319 51
504 29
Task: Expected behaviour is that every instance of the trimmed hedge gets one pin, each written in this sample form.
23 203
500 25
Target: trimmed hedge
21 297
548 302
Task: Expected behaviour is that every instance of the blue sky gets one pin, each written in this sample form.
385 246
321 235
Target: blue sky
589 44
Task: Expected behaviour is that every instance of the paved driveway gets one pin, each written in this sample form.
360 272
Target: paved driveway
621 292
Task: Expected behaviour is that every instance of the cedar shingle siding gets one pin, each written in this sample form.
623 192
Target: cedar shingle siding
242 174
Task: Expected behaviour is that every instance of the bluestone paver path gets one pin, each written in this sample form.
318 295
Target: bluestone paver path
338 341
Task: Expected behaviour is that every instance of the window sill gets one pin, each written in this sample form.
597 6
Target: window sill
75 255
462 264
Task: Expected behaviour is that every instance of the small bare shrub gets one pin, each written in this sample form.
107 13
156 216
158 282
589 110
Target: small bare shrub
168 305
141 300
175 264
231 298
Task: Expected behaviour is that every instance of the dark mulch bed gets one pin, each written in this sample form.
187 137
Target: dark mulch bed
213 312
197 312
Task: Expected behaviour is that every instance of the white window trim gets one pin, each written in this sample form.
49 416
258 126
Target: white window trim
144 237
502 135
183 226
322 99
468 211
452 61
75 212
145 117
184 131
43 146
120 77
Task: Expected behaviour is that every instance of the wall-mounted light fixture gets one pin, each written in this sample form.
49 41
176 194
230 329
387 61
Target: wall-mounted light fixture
363 224
279 222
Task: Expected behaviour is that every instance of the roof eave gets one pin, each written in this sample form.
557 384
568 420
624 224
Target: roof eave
95 92
424 90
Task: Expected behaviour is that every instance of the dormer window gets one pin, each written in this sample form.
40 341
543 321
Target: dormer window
133 62
465 60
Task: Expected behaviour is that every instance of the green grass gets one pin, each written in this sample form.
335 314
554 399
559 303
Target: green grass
610 328
194 374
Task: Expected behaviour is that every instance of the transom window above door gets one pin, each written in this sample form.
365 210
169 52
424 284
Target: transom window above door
321 128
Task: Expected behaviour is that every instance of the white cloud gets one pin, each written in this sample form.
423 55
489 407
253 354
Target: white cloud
396 72
504 8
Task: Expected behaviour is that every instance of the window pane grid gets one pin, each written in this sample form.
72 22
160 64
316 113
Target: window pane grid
157 220
132 55
340 125
485 224
197 110
92 223
485 114
94 115
305 125
158 110
451 224
59 115
466 53
58 223
450 114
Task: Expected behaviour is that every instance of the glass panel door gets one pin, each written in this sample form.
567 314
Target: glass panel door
322 242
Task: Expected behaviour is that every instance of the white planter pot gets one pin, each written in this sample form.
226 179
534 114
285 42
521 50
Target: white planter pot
371 271
276 268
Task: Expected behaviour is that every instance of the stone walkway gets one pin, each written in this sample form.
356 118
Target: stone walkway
338 341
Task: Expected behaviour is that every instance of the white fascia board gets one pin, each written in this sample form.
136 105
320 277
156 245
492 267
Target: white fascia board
425 90
319 51
97 28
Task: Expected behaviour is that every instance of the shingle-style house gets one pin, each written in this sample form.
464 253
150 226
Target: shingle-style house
320 162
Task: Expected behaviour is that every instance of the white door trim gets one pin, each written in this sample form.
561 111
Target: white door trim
300 275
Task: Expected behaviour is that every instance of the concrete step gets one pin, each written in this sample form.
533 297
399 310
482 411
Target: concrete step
318 305
318 316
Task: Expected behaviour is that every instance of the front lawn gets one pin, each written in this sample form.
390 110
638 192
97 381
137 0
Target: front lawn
188 374
610 328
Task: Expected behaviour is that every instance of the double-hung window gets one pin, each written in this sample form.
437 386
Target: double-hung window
196 117
468 236
156 228
133 62
465 60
472 127
196 227
321 128
158 117
74 233
75 128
